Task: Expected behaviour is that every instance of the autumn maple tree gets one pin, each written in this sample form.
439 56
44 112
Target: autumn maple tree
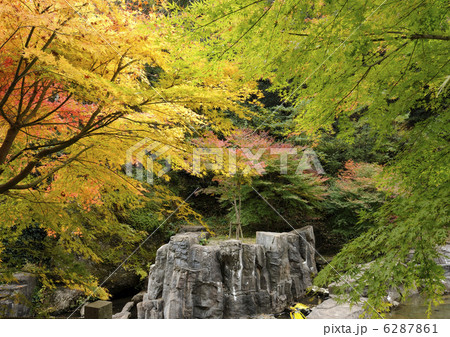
81 82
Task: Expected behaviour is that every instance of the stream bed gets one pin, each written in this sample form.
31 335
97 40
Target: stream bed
416 306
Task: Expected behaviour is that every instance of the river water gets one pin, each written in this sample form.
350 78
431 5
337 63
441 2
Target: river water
416 307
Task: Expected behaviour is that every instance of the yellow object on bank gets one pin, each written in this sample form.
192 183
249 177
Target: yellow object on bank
296 311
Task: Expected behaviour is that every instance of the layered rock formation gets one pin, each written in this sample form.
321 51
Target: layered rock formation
230 279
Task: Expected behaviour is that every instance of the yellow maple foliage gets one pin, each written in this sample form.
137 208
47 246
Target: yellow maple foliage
81 83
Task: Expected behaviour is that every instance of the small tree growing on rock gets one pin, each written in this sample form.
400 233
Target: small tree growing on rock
240 161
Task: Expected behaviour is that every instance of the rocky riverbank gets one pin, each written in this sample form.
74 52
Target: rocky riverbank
414 307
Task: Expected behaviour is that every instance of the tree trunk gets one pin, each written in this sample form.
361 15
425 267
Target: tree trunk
238 218
240 209
7 143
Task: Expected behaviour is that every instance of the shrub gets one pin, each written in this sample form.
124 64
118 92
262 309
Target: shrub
350 195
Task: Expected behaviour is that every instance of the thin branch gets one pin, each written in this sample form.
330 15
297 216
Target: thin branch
47 114
367 73
9 38
406 68
49 174
246 32
228 14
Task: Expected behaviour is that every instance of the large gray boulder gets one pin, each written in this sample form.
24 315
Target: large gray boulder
139 297
126 311
227 280
330 309
444 261
62 299
16 297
